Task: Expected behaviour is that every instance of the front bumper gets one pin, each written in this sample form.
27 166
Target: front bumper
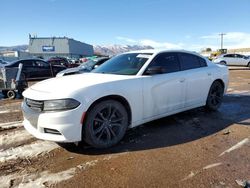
66 123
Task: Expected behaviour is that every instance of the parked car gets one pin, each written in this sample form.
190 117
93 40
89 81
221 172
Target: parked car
126 91
85 67
233 60
37 69
62 61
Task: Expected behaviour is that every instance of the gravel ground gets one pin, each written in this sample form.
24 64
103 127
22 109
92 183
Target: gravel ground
191 149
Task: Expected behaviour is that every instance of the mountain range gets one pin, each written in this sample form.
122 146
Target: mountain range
100 50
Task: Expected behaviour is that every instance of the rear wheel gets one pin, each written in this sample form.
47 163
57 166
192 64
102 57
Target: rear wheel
106 124
11 94
215 95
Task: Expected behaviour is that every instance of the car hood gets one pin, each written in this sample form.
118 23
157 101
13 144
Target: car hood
70 70
73 70
67 85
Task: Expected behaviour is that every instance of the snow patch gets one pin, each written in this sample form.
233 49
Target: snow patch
236 146
8 111
238 93
192 174
10 125
211 166
45 178
13 137
27 151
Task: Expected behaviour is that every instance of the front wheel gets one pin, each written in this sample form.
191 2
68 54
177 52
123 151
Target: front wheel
106 124
215 95
223 63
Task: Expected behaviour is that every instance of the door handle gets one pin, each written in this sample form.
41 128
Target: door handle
182 80
209 73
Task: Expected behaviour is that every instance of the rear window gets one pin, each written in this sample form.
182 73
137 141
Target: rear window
189 61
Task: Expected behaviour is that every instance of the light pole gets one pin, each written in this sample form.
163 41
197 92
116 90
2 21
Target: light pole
221 40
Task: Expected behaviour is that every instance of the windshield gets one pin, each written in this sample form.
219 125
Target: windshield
88 64
124 64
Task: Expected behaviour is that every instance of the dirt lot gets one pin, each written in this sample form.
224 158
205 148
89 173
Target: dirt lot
191 149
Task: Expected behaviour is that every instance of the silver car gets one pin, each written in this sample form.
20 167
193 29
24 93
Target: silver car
85 67
233 59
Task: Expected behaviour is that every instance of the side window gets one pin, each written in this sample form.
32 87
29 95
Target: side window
27 63
40 64
189 61
229 55
168 61
202 61
239 56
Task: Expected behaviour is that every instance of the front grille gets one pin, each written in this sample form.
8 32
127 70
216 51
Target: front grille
35 105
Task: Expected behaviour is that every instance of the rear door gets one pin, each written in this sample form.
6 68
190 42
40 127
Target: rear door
198 79
164 92
241 60
42 69
230 59
28 68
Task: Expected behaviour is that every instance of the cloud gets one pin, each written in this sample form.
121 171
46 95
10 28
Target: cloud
152 43
159 45
126 39
231 39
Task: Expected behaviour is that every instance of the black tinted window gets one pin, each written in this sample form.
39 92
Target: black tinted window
229 55
41 63
189 61
168 61
239 56
202 61
27 63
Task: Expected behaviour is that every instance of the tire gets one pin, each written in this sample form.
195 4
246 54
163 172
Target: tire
223 63
11 94
215 96
106 124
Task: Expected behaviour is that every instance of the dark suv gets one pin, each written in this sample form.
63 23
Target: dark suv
37 69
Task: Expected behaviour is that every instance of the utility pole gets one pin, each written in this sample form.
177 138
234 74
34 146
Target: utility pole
221 40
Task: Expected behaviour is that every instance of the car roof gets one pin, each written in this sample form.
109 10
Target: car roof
157 51
13 62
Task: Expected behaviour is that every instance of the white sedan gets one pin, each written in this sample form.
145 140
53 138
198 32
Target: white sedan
233 60
126 91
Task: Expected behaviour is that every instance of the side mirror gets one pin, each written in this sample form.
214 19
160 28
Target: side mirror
154 70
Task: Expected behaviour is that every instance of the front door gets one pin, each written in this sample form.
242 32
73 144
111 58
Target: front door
164 92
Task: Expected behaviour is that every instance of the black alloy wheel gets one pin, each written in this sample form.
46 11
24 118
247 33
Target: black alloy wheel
215 96
106 124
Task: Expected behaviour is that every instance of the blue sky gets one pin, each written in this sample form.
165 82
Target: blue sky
187 24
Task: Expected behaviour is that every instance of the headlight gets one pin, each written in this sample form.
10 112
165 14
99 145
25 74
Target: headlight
61 104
